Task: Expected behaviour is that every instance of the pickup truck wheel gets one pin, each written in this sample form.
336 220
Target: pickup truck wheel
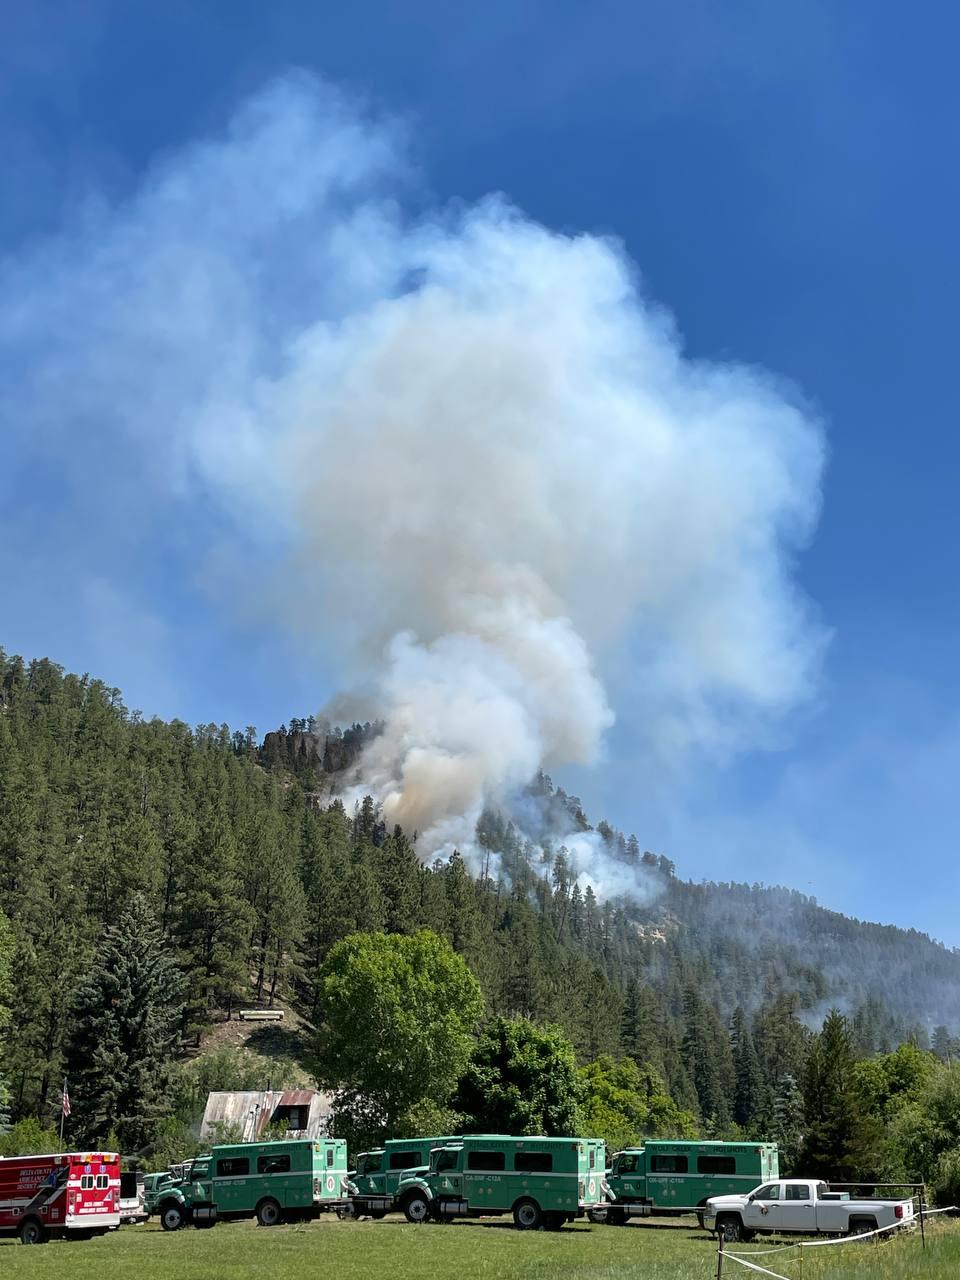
416 1207
171 1216
730 1227
527 1215
860 1226
32 1232
268 1213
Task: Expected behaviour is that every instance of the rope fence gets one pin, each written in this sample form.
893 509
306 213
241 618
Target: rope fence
742 1259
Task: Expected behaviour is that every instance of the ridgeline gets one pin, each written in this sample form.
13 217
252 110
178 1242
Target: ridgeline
253 871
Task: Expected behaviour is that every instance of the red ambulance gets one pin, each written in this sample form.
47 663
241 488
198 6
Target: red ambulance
76 1194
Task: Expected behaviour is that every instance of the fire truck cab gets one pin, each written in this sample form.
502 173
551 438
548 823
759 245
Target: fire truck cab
75 1194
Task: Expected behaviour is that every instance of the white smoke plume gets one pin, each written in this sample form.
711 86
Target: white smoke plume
506 494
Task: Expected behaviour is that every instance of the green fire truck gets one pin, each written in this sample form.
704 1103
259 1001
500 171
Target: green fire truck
679 1177
372 1187
271 1181
541 1181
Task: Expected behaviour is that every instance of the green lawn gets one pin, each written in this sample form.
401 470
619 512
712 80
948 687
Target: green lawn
489 1250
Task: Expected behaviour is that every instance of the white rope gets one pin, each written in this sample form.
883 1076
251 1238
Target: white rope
865 1235
748 1253
742 1258
752 1266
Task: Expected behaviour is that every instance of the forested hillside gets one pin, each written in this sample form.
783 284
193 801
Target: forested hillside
236 864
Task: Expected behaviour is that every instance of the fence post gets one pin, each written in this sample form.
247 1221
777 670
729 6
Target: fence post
720 1257
923 1196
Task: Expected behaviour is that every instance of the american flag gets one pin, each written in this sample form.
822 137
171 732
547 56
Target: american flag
66 1101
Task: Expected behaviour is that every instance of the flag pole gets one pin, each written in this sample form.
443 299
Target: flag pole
63 1109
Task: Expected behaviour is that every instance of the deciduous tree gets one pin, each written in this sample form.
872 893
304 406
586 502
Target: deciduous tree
397 1016
522 1079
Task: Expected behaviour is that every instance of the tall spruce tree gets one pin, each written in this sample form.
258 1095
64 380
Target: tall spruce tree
842 1142
707 1057
6 960
788 1123
126 1021
751 1099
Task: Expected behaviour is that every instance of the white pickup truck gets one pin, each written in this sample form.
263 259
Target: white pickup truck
801 1206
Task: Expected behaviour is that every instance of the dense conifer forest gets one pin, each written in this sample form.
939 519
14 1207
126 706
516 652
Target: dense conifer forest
212 869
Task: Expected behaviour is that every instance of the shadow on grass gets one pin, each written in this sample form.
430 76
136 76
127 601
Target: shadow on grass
274 1041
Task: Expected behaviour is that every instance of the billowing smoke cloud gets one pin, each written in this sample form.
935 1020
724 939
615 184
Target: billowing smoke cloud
500 488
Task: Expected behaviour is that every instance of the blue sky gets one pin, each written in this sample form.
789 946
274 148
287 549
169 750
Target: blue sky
783 178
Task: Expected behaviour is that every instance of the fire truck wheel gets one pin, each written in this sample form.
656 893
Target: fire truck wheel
268 1213
416 1207
32 1232
377 1214
345 1211
527 1215
171 1216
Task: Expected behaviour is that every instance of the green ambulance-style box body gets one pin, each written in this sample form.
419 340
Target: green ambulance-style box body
541 1181
373 1186
679 1177
273 1181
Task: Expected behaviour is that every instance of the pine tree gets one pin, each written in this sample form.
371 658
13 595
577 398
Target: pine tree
212 915
126 1020
942 1044
841 1142
788 1123
750 1098
707 1057
398 870
6 960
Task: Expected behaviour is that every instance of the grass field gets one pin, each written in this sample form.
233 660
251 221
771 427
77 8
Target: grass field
489 1250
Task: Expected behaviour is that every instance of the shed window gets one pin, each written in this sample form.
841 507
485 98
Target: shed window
273 1164
533 1162
294 1118
668 1164
492 1161
405 1159
233 1167
716 1164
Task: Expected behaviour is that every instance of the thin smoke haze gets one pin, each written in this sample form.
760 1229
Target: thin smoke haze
471 451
